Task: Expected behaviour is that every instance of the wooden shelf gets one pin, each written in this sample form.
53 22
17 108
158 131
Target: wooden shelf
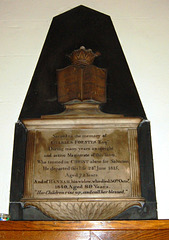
85 230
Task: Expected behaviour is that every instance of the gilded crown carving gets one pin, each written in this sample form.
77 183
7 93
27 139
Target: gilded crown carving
83 56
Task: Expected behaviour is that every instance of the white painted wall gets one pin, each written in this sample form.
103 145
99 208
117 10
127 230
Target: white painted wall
142 27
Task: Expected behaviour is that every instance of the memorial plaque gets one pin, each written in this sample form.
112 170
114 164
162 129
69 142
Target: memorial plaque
81 163
88 162
82 159
82 146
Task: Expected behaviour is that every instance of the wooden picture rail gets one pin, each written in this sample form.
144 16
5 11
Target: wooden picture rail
85 230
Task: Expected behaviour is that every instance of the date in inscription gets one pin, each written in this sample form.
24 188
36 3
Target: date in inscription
81 163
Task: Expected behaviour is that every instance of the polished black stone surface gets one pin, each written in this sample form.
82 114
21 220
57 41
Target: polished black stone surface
82 26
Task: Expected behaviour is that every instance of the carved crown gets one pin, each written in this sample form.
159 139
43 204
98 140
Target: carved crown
83 56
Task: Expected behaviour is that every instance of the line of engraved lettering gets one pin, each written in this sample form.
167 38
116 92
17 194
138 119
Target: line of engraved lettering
77 155
52 155
120 161
81 175
93 192
62 142
75 187
118 180
56 135
97 168
53 148
57 148
95 161
55 162
80 181
102 148
113 168
41 161
69 187
98 186
88 142
103 142
79 161
56 192
47 181
116 191
71 149
97 155
91 135
85 142
51 181
83 148
40 192
60 168
103 191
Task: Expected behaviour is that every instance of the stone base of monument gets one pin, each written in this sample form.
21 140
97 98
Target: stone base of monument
83 209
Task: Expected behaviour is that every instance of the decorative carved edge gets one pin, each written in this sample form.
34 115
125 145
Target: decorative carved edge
134 163
84 210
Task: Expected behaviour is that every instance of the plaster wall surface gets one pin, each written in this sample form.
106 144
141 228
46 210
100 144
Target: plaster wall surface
142 27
